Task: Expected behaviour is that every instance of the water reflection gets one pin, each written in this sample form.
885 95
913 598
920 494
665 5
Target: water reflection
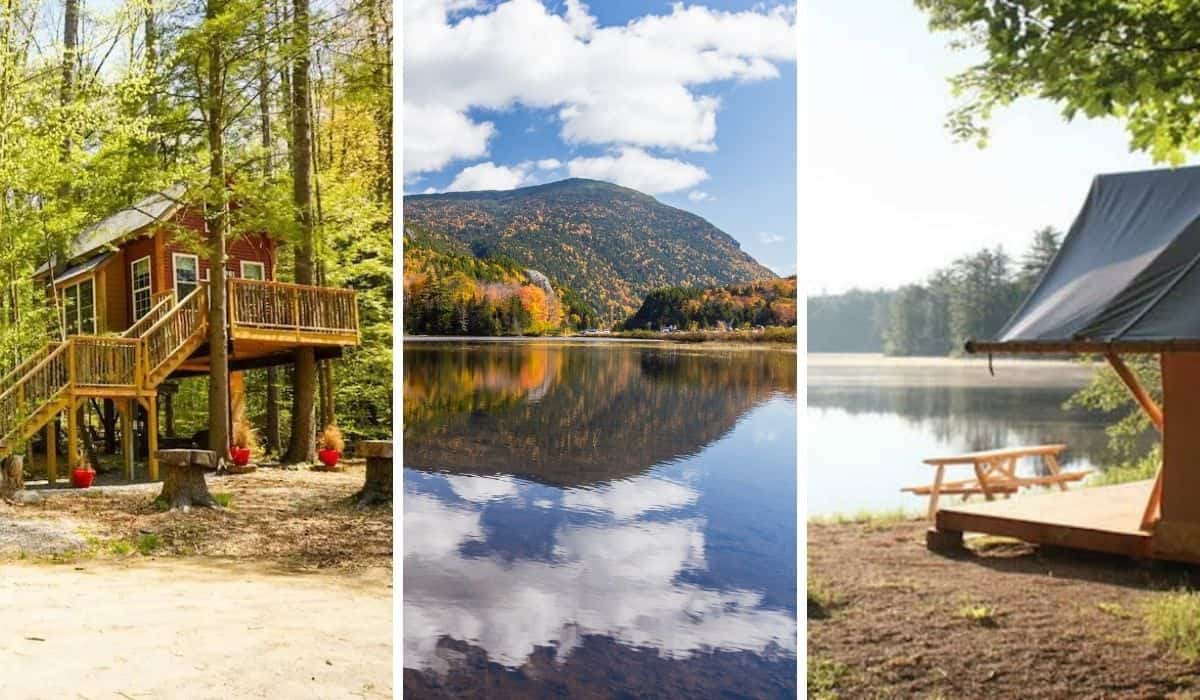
913 409
599 502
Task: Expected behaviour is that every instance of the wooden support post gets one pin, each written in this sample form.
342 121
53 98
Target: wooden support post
128 411
72 433
1135 387
1153 510
152 436
52 450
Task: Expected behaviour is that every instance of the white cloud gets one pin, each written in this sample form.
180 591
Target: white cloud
770 238
632 85
435 136
489 176
633 167
698 196
549 164
481 489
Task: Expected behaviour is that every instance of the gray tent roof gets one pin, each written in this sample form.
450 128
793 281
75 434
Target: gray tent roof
1127 271
158 207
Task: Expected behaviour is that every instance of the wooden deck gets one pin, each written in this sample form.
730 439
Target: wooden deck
1102 518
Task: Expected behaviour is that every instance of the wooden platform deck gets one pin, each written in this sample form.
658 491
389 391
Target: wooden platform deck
1102 518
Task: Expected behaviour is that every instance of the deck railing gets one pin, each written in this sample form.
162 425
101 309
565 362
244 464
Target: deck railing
34 389
173 330
104 361
165 302
297 308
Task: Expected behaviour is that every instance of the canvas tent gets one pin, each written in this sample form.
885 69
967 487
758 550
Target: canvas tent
1126 280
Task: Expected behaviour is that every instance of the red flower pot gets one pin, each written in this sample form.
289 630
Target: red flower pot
82 478
329 457
240 455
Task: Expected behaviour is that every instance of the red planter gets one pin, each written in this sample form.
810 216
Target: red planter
240 455
82 478
329 457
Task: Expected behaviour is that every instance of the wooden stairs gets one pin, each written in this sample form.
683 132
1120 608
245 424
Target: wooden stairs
126 368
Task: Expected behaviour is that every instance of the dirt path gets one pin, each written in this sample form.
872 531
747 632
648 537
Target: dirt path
186 628
1010 622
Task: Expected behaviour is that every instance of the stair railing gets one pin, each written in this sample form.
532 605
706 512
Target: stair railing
161 340
37 387
161 308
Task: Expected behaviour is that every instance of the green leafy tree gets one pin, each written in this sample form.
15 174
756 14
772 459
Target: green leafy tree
1134 61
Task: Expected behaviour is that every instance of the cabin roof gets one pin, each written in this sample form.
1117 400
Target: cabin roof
1127 276
155 208
83 267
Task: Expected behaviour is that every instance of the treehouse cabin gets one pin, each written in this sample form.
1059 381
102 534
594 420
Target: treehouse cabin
134 298
1125 282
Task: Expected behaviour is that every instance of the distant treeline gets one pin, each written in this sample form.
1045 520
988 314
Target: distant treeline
970 298
770 302
450 294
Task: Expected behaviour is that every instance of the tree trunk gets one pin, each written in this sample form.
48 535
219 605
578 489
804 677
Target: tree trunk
12 475
70 61
271 433
301 447
377 487
218 223
183 480
110 426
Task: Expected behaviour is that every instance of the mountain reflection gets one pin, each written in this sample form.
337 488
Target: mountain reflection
576 414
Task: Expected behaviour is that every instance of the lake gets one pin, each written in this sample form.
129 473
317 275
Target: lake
870 420
597 518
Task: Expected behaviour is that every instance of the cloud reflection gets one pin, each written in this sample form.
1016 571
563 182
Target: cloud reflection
617 578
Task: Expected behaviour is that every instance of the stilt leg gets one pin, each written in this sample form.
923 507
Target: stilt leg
128 410
52 450
152 436
72 435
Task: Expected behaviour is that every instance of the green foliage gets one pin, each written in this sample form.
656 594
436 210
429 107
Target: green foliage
1129 60
611 244
1107 393
823 678
971 298
1174 621
223 499
770 302
978 613
147 543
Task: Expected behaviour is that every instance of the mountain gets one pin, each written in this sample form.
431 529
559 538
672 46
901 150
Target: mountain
611 244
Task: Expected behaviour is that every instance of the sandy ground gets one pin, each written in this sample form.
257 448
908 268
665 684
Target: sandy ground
182 628
1062 624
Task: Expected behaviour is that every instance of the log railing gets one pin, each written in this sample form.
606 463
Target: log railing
15 373
165 302
173 330
38 386
104 361
292 307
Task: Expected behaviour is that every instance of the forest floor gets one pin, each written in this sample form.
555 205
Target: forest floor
888 618
287 592
293 520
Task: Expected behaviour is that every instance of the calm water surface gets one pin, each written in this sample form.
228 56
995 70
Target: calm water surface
870 421
612 518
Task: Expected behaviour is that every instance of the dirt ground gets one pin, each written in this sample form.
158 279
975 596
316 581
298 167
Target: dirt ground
286 593
294 520
189 628
1008 621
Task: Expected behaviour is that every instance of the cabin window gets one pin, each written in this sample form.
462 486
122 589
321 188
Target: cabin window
187 271
140 277
79 307
253 270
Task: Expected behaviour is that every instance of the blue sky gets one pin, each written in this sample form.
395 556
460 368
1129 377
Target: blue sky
694 104
886 194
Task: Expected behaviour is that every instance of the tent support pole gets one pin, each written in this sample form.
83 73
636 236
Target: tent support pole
1154 412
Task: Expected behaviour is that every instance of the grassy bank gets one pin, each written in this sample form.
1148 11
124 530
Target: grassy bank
774 334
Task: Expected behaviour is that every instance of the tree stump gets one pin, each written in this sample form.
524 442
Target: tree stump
183 480
12 475
377 488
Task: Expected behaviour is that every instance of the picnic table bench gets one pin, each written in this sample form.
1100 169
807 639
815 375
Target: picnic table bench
995 473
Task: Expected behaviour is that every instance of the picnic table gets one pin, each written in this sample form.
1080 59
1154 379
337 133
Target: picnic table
995 473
